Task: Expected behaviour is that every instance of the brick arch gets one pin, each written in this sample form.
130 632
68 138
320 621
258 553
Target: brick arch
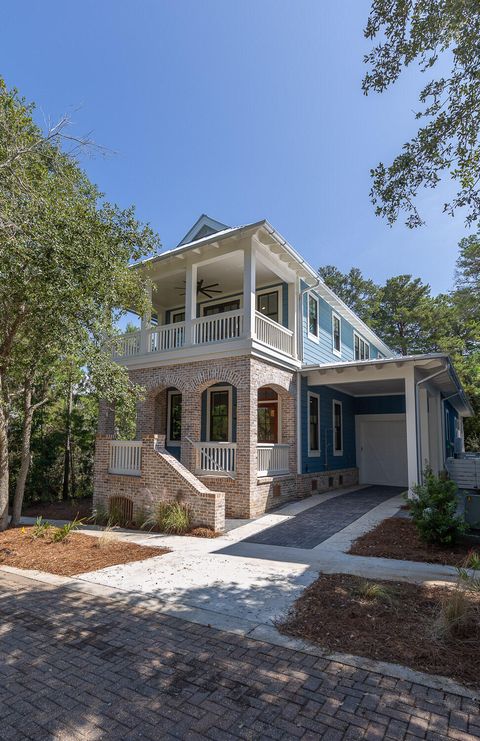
209 376
283 388
164 380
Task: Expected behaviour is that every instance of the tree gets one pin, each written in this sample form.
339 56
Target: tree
356 291
429 32
64 255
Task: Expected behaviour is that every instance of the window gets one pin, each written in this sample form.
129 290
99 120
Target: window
219 415
178 316
221 308
362 348
313 424
174 417
313 316
336 334
337 428
267 304
267 415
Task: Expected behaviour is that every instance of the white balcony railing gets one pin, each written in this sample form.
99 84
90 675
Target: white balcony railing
125 457
166 337
215 458
218 327
272 459
273 334
127 345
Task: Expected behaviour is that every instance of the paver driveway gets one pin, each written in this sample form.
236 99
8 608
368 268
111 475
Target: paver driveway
74 666
316 524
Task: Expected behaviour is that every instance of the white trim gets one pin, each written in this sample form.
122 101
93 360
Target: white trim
265 291
336 352
313 337
213 389
172 443
313 453
279 413
366 344
336 401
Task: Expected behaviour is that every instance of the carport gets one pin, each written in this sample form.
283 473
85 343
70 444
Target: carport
408 413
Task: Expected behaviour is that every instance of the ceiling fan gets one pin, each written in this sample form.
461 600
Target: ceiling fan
207 291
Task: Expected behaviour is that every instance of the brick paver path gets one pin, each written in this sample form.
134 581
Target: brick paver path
316 524
77 666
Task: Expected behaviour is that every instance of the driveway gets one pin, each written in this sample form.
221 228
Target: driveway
81 666
313 526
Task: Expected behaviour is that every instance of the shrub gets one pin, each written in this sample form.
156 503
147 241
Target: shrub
173 518
374 592
41 528
61 534
106 538
434 510
456 618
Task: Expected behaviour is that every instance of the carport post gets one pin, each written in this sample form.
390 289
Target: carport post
411 423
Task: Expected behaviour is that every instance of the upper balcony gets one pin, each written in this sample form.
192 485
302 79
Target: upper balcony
234 294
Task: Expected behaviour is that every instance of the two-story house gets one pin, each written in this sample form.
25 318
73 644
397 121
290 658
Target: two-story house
261 386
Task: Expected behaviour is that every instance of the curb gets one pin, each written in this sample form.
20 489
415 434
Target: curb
260 632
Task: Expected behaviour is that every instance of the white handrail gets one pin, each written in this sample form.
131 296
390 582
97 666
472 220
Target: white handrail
273 334
215 457
125 457
227 325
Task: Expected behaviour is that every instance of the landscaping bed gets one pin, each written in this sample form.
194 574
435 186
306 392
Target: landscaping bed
64 510
398 538
76 554
391 621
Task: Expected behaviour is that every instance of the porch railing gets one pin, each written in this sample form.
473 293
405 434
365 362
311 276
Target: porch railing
218 327
125 457
127 345
272 459
215 458
273 334
166 337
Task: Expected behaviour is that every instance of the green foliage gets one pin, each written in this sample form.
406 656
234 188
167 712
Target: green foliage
428 32
358 292
41 528
61 534
434 510
173 518
374 592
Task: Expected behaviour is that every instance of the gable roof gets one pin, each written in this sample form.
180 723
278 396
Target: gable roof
203 227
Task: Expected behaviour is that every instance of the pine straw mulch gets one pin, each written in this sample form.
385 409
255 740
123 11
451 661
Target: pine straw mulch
332 613
78 554
397 538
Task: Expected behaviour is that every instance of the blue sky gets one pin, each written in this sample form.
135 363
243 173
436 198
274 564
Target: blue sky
241 110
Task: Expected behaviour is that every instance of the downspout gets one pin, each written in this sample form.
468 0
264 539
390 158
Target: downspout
300 347
418 421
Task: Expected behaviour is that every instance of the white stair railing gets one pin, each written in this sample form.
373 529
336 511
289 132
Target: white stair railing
273 334
215 458
272 459
125 457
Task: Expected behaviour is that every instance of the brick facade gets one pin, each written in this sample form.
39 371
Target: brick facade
246 496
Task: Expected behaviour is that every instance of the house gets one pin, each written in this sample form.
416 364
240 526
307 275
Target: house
261 386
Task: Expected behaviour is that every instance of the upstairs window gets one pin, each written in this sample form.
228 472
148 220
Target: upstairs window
337 428
267 304
336 334
362 348
313 424
313 316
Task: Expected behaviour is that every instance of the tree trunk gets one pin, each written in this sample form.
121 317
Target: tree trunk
25 458
3 460
68 443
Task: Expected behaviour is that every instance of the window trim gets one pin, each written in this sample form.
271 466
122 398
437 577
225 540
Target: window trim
337 451
360 340
313 453
336 352
313 337
172 443
264 291
213 389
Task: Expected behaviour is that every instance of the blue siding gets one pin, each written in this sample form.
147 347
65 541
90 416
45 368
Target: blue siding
327 461
394 404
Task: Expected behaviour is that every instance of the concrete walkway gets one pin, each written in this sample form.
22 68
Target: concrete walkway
233 578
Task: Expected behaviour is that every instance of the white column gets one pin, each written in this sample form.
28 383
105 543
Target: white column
190 302
424 417
412 459
292 315
249 298
146 322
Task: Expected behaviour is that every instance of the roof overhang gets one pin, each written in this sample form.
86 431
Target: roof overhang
386 376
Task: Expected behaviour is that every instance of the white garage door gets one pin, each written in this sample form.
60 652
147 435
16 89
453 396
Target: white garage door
382 449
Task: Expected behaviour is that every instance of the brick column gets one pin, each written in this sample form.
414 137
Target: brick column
246 453
191 426
106 418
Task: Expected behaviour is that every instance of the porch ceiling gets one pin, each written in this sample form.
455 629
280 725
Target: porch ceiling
371 388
